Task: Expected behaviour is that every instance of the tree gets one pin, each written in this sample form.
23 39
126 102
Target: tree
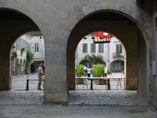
29 58
94 59
13 54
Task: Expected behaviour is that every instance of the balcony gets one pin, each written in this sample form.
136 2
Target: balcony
118 55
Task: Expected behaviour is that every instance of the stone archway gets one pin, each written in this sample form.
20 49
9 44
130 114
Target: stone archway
13 24
117 66
124 29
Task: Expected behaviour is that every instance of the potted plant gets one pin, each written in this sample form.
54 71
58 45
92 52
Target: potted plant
80 72
109 72
98 71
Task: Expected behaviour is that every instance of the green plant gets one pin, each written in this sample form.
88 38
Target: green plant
13 54
98 70
94 59
109 71
22 50
33 66
80 70
29 58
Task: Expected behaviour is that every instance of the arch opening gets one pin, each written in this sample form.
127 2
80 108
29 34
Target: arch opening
124 29
100 49
16 29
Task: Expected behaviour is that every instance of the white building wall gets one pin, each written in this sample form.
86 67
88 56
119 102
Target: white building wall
40 55
79 55
109 50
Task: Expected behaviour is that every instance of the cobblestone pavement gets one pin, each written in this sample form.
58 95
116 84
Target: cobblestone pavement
106 97
21 97
59 111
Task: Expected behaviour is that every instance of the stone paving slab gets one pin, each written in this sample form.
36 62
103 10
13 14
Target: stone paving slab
21 97
59 111
106 97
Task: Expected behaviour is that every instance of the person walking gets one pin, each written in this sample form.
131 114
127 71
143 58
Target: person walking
40 75
105 71
88 72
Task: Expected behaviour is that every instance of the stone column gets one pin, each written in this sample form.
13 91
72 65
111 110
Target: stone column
155 51
55 60
5 80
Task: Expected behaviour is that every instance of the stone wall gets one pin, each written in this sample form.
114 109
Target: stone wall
56 19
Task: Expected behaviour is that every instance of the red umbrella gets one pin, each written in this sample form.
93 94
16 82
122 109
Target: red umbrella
103 35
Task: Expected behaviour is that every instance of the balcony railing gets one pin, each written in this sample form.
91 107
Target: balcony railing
118 55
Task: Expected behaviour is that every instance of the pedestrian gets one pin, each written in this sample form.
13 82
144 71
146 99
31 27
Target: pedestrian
88 72
12 71
105 75
43 78
40 75
105 71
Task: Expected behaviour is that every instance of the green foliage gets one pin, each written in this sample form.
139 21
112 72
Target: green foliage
94 59
14 54
80 70
29 58
98 70
22 50
109 71
33 66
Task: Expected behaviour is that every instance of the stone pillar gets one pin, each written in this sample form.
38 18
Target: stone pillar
5 80
131 43
155 52
56 80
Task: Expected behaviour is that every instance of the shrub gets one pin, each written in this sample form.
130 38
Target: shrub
14 54
80 70
98 70
33 66
109 71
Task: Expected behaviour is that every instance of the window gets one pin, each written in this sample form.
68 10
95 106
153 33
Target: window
92 48
85 48
25 45
29 47
18 44
37 47
101 48
118 48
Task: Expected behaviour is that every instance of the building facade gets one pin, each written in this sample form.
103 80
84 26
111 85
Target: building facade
38 50
113 53
19 53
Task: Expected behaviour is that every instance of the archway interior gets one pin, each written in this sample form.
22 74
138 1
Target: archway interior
26 55
13 25
126 31
100 48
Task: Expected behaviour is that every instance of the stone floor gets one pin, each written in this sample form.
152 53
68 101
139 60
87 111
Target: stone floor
60 111
21 97
106 97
